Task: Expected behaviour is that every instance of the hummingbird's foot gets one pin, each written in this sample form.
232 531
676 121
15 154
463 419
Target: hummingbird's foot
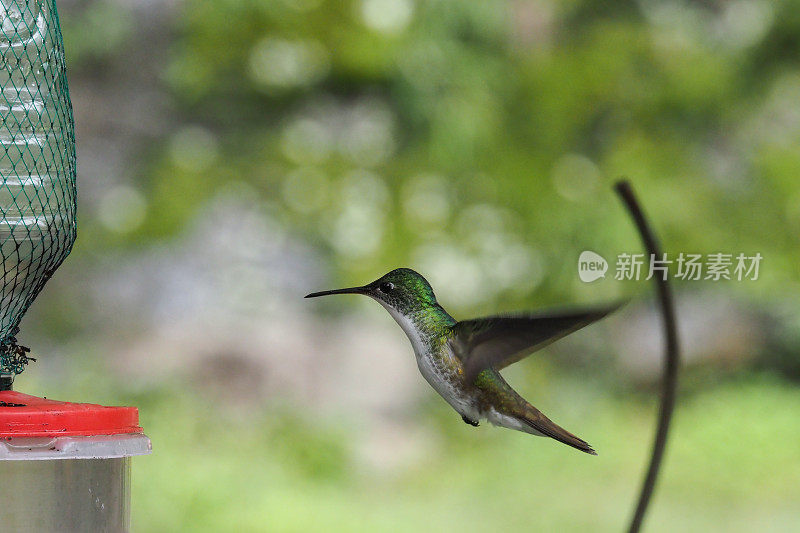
469 421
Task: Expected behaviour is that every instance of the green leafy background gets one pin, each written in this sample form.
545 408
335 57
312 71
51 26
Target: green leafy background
235 155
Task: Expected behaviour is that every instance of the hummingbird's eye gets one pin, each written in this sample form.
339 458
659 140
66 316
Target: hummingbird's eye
386 287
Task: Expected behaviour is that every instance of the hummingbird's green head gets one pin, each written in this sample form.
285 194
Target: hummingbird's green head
402 289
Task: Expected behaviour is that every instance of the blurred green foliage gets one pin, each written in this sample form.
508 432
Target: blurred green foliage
384 128
466 485
219 469
479 141
476 142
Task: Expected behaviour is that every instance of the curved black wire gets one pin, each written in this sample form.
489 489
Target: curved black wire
671 356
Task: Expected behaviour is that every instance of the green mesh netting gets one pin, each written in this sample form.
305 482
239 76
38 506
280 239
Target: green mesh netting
37 163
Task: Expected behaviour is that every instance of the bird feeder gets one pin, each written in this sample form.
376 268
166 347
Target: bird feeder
66 466
63 466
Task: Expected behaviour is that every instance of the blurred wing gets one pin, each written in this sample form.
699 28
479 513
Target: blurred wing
498 341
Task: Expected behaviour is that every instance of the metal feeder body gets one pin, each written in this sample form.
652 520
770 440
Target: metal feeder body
65 467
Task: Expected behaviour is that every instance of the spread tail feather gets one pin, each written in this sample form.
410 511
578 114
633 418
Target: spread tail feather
536 420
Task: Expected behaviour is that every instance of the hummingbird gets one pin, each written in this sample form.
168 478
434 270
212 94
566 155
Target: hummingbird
461 360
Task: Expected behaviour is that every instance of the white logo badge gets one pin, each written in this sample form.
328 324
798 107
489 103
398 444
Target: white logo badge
591 266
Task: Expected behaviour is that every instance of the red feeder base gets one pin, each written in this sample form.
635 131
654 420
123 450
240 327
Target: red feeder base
34 428
22 415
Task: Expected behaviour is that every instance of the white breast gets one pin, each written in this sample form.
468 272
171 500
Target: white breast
440 377
411 331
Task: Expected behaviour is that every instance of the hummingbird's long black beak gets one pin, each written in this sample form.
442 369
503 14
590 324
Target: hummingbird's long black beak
350 290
